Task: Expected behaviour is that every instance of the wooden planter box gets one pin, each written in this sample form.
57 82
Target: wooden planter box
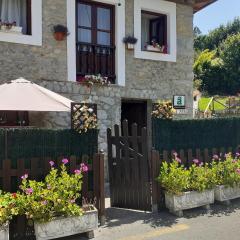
129 46
63 227
224 194
176 204
4 232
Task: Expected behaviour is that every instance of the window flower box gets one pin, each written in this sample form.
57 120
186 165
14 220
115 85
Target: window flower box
225 193
13 29
4 232
188 200
63 227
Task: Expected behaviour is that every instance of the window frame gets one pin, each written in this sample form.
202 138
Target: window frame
165 37
34 18
158 7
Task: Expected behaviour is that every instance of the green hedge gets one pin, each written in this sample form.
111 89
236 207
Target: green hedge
193 134
40 143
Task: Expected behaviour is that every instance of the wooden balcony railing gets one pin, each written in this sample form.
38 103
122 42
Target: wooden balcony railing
96 59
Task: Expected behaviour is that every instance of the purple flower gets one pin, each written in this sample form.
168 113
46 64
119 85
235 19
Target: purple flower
25 176
215 157
238 171
196 161
29 191
178 160
237 154
77 172
44 202
65 161
83 167
51 163
201 164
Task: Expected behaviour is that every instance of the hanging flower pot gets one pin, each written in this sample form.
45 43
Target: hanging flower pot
60 32
130 42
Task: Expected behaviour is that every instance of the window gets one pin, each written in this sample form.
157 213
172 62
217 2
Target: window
95 39
155 27
15 16
154 32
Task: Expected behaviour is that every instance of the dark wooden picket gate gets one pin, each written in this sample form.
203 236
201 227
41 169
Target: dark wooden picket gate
129 168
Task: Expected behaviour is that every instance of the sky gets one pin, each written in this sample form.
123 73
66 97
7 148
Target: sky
220 12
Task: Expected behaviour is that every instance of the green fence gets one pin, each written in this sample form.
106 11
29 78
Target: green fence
196 134
40 143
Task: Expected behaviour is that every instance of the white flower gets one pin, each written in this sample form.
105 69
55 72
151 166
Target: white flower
90 110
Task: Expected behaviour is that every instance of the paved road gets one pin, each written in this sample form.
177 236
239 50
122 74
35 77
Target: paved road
221 223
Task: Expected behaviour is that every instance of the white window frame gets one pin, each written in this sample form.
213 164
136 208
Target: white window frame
161 7
119 35
36 37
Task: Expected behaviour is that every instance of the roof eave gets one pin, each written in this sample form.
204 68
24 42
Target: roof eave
202 4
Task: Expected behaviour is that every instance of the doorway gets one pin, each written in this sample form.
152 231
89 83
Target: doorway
134 112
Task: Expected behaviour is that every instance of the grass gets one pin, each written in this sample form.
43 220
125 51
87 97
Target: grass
203 103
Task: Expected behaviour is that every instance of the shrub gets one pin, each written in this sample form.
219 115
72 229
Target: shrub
54 197
8 207
227 170
176 179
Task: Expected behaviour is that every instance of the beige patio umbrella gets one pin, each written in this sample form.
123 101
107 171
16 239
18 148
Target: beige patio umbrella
23 95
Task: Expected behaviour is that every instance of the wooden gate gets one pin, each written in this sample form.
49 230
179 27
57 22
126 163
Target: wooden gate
129 168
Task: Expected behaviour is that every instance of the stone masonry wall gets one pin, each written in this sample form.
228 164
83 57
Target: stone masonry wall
150 80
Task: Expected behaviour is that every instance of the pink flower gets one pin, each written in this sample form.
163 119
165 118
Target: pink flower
48 187
215 157
234 161
201 164
72 201
65 161
29 191
238 171
196 161
51 163
83 167
178 160
25 176
77 172
237 154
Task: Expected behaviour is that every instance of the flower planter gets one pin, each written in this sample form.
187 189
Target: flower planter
176 204
224 194
14 29
63 227
59 36
152 48
4 232
130 46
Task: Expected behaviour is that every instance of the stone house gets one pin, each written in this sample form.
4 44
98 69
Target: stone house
95 45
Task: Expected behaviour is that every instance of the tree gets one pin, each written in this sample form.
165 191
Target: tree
208 70
230 54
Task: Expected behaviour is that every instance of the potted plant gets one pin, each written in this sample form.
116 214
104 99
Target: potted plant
53 204
91 80
186 188
60 32
130 41
227 172
8 209
156 47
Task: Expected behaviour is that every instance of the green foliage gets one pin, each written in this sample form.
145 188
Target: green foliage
177 179
208 68
217 36
54 197
227 172
230 54
196 134
9 207
174 177
217 59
